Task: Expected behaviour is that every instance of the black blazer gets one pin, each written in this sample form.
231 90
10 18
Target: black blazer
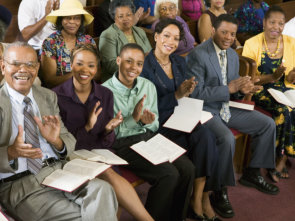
165 86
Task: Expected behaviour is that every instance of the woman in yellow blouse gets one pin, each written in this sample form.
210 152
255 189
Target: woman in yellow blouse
275 57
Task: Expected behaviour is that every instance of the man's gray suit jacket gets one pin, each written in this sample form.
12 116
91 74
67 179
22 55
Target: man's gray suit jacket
203 63
47 103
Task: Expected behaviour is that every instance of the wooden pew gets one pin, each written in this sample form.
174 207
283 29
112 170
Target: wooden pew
94 2
289 9
273 2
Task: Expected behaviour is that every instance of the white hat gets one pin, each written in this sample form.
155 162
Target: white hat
69 8
159 2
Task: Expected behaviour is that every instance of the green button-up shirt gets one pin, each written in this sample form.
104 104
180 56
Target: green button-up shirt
125 99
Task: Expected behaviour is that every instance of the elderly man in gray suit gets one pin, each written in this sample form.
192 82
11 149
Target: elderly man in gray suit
31 149
216 68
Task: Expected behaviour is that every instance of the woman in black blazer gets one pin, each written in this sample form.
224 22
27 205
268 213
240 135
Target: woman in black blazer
167 71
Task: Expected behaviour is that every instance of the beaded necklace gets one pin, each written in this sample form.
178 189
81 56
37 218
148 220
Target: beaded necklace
161 64
272 55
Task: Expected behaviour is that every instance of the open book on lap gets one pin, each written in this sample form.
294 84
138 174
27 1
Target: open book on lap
74 173
286 98
99 155
205 116
186 115
158 149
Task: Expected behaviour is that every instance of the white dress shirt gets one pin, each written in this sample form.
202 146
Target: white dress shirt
29 13
18 106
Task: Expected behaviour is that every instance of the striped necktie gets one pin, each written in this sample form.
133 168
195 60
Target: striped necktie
224 112
31 135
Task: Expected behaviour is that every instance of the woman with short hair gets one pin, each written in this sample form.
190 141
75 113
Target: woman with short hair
274 54
118 34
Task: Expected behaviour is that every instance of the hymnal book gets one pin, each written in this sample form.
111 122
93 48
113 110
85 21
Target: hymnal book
241 105
205 116
2 217
74 173
158 149
186 115
99 155
286 98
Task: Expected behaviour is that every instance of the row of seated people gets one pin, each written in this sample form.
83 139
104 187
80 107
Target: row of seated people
166 65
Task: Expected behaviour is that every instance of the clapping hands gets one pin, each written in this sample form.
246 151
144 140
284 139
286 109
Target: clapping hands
140 15
279 72
113 123
244 84
50 129
291 76
51 5
186 88
20 149
93 116
146 116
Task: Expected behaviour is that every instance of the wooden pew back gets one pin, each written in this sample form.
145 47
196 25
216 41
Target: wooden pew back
289 9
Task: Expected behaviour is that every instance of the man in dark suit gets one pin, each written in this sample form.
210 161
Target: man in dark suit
31 149
216 68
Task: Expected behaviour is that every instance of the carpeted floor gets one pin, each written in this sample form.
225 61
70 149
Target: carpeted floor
250 204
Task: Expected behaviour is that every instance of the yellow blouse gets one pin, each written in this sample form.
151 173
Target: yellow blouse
253 49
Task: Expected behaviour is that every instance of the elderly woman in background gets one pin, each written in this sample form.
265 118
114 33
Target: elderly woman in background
274 54
117 35
69 22
169 9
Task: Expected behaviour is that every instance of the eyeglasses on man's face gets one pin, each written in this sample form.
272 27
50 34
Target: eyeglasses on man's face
17 64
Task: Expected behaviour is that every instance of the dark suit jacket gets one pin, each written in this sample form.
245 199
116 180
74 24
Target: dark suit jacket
202 62
165 89
47 103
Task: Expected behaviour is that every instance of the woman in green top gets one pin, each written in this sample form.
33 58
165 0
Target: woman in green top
118 34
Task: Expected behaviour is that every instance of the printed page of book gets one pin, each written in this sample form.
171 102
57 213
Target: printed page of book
186 115
64 180
166 146
241 105
152 153
280 97
109 157
290 94
85 168
87 155
205 116
2 217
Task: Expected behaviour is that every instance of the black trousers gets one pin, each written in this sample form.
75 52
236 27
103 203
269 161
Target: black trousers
168 198
201 150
